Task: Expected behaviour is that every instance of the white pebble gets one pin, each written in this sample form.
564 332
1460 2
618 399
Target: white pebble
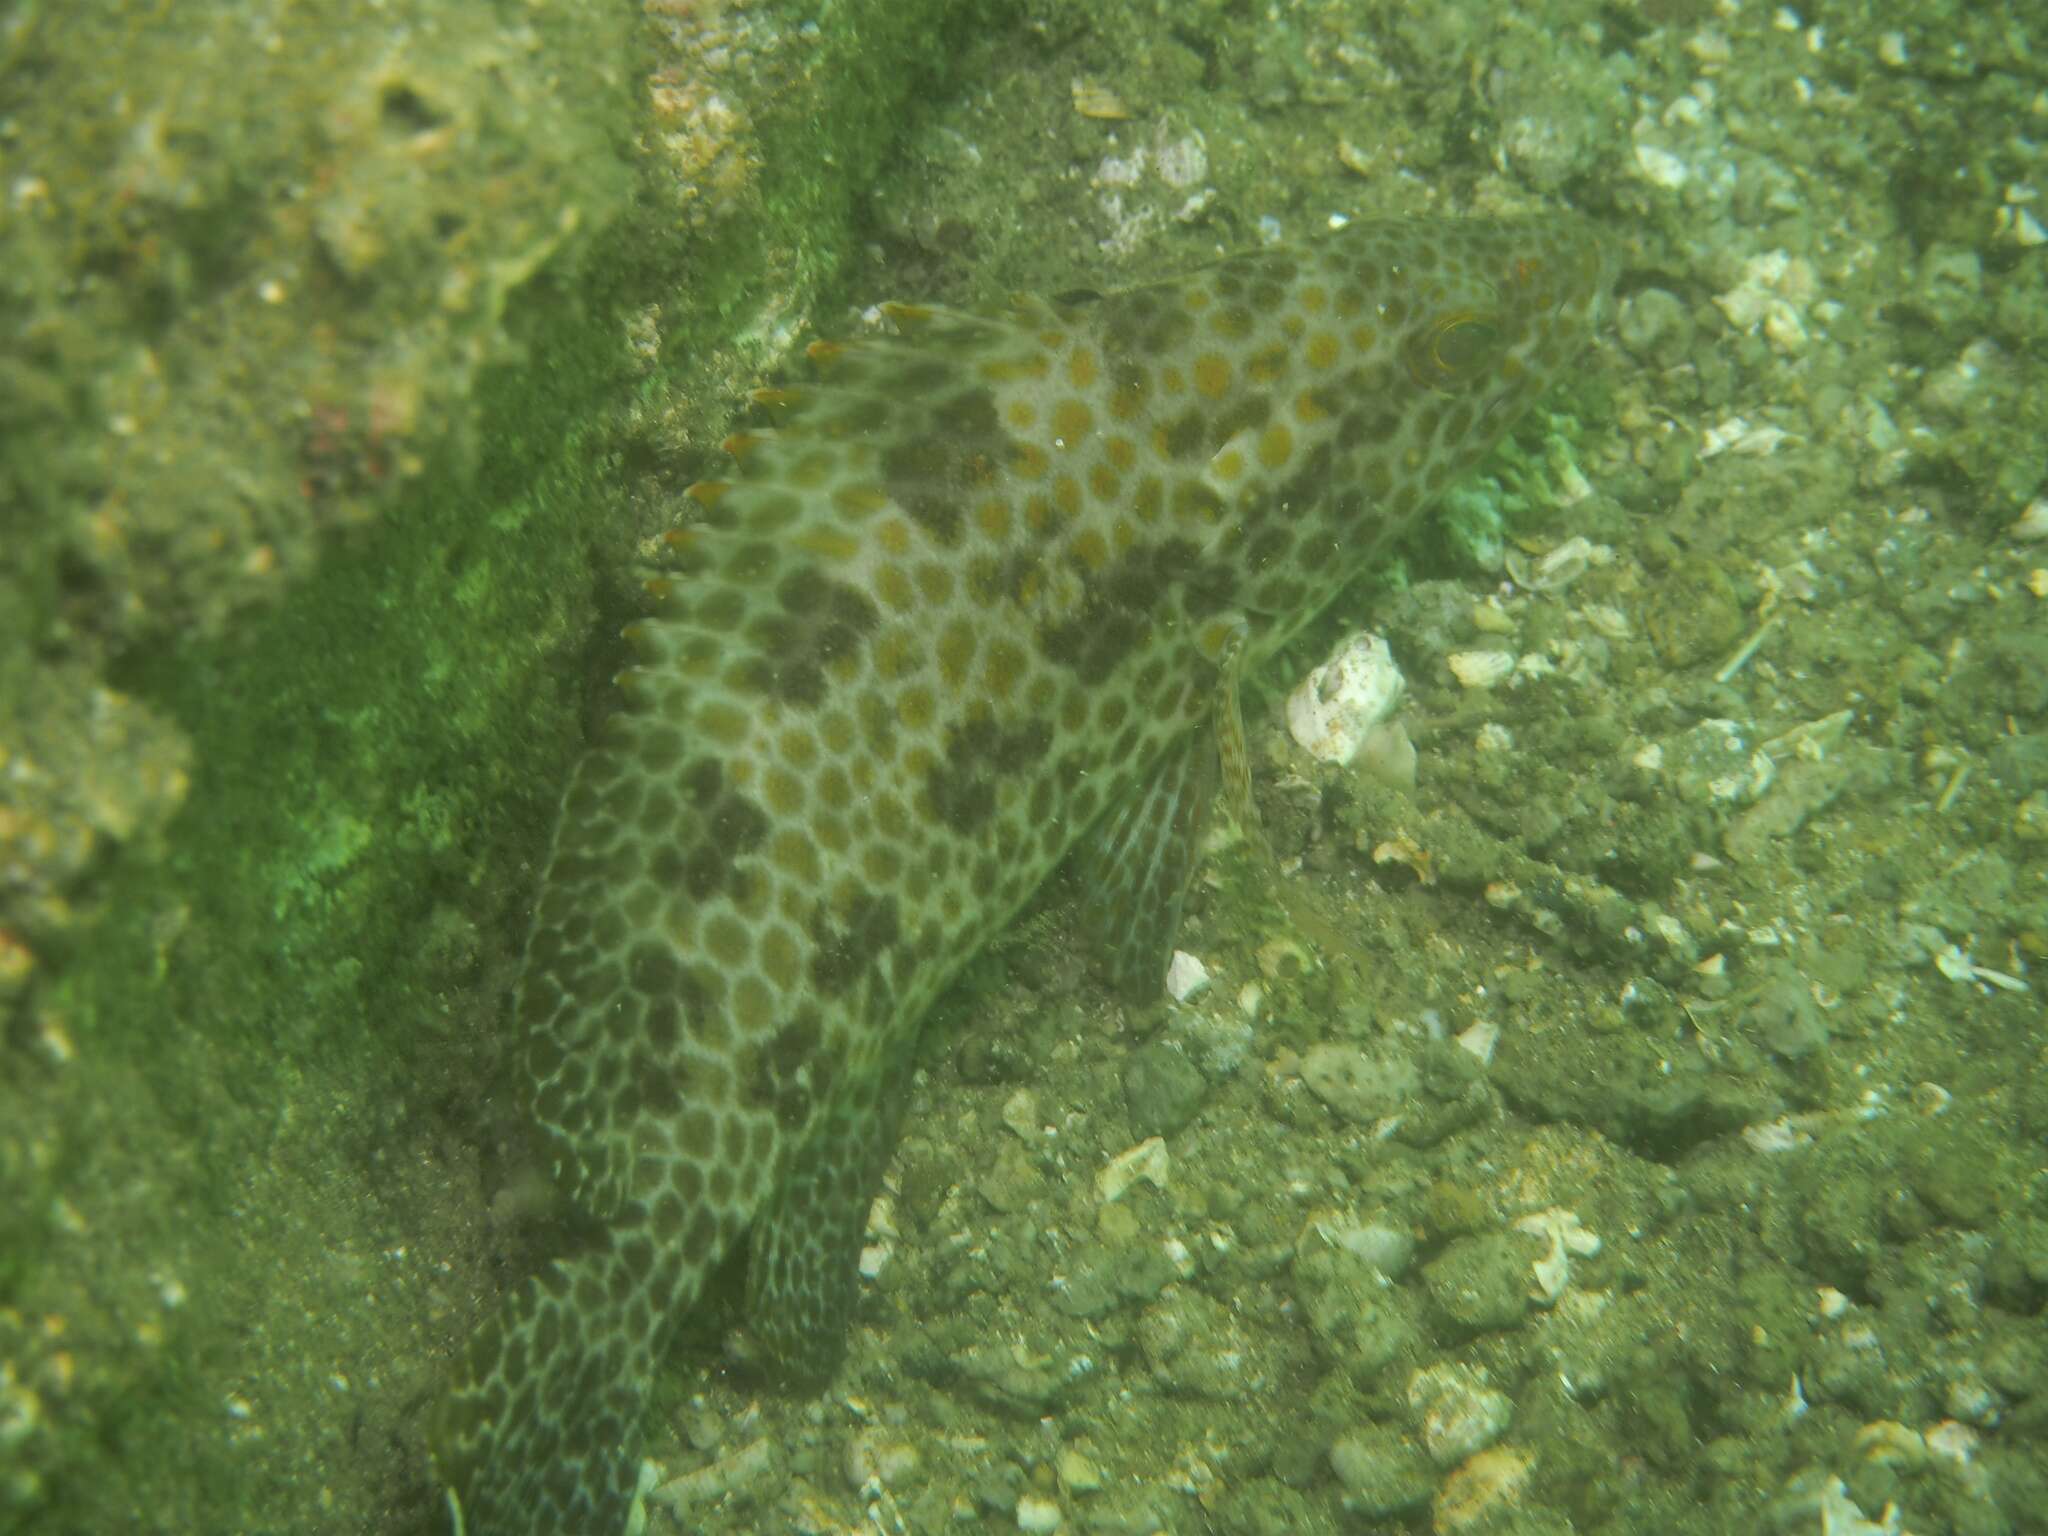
1660 167
1480 1039
1950 1441
2033 523
1566 1236
1185 976
1038 1516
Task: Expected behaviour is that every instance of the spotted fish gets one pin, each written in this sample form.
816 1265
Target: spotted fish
978 592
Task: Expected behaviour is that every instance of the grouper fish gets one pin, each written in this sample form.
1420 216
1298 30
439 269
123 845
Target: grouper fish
973 599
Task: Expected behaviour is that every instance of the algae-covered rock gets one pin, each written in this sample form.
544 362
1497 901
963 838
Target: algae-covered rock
345 346
1478 1285
1362 1323
1162 1089
1383 1472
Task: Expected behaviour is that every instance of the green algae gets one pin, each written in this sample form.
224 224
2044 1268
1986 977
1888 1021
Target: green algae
255 1105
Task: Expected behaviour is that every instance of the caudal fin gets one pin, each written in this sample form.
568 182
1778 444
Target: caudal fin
541 1434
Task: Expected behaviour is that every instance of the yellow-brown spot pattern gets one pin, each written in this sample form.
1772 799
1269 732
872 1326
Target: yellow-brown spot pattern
936 622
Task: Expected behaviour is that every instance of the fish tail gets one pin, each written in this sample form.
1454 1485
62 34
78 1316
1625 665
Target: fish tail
543 1430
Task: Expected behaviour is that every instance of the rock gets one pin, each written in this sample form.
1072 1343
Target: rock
1147 1161
1038 1516
1358 1085
1162 1089
1382 1473
1456 1412
1185 976
1478 1285
1359 1320
1475 1495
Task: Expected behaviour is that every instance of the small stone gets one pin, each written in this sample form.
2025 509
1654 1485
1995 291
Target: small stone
1359 1086
1381 1472
752 1465
1012 1181
1387 756
1478 1284
1147 1161
1387 1247
1196 1347
1038 1516
1562 1230
1357 1318
1480 669
1020 1114
1282 959
872 1455
1456 1412
1479 1039
1969 1399
1077 1473
1162 1089
1655 326
1952 1442
1185 976
1473 1495
2030 821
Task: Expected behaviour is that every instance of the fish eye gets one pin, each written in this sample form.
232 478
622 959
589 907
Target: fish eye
1456 349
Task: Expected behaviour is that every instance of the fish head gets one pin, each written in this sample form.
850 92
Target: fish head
1500 309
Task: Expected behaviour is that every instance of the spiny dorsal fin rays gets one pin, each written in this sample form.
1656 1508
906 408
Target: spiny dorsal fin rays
927 325
904 384
915 332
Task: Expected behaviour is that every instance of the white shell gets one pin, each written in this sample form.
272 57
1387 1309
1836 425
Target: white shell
1336 706
1480 669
